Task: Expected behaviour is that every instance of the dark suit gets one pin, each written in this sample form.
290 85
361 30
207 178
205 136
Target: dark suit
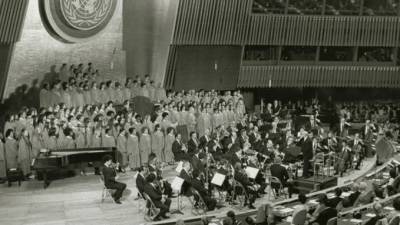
334 201
244 180
306 149
140 183
351 199
192 147
156 196
282 174
325 215
187 183
197 164
199 187
166 184
110 182
177 151
204 141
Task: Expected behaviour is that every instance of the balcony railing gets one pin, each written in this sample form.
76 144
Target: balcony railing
318 76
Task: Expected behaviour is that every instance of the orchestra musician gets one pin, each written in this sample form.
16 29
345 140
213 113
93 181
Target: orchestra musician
204 139
155 168
241 177
143 171
344 159
186 175
179 149
192 144
110 177
330 143
358 149
161 202
342 129
280 172
198 163
199 186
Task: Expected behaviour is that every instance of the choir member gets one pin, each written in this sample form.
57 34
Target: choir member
25 153
2 158
145 145
169 140
67 142
49 143
122 149
96 140
11 150
132 149
157 143
108 140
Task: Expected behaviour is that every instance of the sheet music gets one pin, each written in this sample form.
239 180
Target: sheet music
218 179
252 172
177 183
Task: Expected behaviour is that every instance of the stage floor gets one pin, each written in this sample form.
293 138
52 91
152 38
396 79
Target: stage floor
77 200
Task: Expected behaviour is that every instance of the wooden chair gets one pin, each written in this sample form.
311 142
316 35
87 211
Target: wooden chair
332 221
153 211
105 192
200 208
300 217
240 193
274 181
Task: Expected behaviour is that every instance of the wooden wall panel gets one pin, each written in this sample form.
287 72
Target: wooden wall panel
230 22
12 13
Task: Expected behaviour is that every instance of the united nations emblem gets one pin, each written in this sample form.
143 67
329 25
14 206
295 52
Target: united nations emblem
85 14
76 20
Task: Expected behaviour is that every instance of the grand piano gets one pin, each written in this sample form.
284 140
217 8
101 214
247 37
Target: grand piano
51 164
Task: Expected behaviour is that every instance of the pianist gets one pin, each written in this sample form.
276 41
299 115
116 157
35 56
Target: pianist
110 176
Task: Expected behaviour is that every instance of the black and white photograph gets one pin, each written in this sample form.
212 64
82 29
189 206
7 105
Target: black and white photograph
200 112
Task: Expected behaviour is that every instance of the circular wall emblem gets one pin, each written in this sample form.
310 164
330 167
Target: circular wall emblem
76 20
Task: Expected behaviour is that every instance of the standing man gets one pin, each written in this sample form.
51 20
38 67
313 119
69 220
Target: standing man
110 177
307 150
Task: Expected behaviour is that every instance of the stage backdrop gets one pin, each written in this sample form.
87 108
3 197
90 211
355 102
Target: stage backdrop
38 55
206 67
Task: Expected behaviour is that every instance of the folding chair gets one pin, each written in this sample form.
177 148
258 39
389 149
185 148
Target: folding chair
153 211
105 192
240 193
139 200
200 208
275 182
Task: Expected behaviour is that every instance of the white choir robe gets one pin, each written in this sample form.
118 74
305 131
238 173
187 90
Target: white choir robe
24 155
157 145
133 152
